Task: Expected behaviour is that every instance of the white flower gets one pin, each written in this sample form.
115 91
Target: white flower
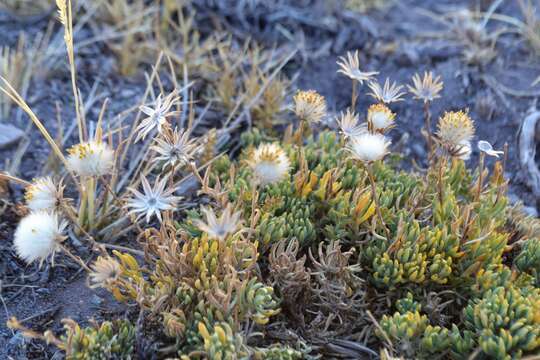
157 116
43 194
269 163
368 147
38 235
92 158
153 201
348 124
227 223
486 147
380 117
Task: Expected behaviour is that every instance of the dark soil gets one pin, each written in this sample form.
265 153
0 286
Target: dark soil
392 41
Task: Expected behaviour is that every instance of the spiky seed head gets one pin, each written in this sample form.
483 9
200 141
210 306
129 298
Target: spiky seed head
174 147
455 127
309 106
350 67
380 117
270 164
92 158
38 235
43 194
369 147
219 228
105 270
348 123
426 88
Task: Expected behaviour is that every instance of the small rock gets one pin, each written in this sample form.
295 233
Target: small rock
96 300
17 341
9 135
531 211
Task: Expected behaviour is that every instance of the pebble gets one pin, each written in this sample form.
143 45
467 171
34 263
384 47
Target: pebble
9 135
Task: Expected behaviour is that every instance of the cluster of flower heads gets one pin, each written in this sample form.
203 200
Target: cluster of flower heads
41 233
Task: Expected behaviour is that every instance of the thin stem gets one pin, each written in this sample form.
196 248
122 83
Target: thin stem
123 248
480 175
376 199
354 95
427 119
77 259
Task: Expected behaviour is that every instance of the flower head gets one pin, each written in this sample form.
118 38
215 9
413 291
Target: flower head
92 158
380 117
486 147
38 235
157 116
350 67
105 270
43 194
455 130
153 201
228 223
174 148
426 89
309 106
349 126
369 147
386 94
269 163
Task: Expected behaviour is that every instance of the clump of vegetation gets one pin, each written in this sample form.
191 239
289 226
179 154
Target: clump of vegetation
311 243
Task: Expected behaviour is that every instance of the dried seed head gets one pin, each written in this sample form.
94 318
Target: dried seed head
38 235
349 126
93 158
350 66
427 88
388 93
228 223
43 194
174 148
269 163
105 270
309 106
380 117
369 147
157 115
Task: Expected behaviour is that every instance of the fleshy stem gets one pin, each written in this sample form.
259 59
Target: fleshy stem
376 199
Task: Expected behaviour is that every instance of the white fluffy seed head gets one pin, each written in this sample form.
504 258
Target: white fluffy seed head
369 147
93 158
380 117
269 163
38 235
43 194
